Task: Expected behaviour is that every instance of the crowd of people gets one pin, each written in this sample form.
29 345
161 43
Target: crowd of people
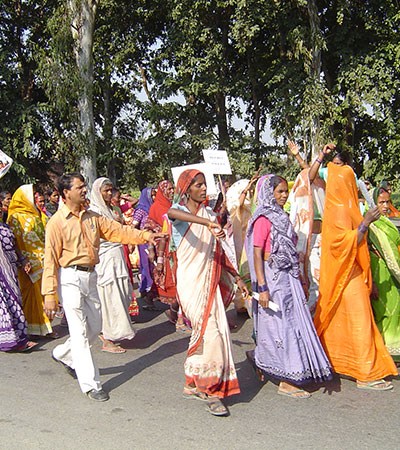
317 269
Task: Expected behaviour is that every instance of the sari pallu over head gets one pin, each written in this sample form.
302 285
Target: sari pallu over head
339 249
98 205
26 223
160 207
209 272
386 240
283 255
157 221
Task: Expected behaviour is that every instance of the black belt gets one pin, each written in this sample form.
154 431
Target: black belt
82 268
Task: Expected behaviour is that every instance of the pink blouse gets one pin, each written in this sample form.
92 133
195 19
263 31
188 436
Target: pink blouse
262 234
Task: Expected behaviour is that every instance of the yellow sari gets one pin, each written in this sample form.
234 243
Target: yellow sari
26 223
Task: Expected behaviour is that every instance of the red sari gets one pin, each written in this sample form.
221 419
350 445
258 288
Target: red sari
164 282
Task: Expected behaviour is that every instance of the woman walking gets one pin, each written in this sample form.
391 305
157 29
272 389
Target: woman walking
139 219
344 318
25 221
204 287
113 283
384 245
287 346
164 282
13 325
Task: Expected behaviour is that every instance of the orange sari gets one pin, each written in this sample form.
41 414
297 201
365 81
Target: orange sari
344 318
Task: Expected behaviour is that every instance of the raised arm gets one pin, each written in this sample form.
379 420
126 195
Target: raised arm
253 180
294 150
317 163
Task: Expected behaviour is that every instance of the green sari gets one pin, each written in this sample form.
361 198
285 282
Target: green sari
385 266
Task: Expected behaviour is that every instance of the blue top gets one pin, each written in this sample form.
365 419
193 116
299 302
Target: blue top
179 227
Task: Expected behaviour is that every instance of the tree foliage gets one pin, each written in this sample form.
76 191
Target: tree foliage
173 77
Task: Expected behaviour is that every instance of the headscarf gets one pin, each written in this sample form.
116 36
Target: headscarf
184 181
161 204
145 200
25 221
233 195
97 203
283 238
378 191
339 246
23 201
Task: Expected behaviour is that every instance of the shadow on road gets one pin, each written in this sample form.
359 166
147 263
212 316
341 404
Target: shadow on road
129 370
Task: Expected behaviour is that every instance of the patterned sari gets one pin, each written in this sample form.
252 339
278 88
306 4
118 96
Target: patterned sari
26 223
13 325
384 240
305 198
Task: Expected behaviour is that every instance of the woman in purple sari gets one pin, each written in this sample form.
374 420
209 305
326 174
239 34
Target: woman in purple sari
13 325
138 220
287 345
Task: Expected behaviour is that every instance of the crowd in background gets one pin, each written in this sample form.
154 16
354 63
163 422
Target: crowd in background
315 263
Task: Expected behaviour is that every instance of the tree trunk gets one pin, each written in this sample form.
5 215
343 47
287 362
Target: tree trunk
83 16
315 72
108 128
222 123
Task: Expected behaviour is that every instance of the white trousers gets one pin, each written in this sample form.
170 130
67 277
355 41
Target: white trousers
80 300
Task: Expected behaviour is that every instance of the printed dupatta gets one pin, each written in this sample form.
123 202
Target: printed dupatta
303 197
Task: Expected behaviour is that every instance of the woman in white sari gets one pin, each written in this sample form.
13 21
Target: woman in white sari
204 289
113 283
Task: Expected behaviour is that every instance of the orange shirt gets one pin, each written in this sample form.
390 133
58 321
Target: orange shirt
72 240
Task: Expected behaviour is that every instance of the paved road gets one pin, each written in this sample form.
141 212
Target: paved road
41 407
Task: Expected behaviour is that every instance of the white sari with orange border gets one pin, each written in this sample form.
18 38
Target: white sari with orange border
204 291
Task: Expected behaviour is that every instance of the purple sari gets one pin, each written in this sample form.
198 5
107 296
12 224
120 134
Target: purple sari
287 345
140 216
13 325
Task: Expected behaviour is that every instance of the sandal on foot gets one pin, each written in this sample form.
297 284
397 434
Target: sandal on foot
183 328
216 407
378 385
258 372
26 348
193 393
116 349
294 394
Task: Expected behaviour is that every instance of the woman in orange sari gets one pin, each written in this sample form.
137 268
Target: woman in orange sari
204 290
344 318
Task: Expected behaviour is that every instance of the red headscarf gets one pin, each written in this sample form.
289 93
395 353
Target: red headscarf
185 180
161 204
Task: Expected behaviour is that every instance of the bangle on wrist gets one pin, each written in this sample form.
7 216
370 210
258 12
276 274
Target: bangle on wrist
263 288
362 227
319 161
160 259
150 246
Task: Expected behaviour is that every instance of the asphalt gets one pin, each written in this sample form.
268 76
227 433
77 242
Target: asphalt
42 407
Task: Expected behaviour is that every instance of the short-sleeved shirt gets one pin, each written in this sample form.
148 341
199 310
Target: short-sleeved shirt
262 234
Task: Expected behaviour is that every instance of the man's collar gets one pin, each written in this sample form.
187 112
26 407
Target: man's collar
66 211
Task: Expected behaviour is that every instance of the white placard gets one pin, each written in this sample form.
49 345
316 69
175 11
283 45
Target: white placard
203 167
5 163
219 161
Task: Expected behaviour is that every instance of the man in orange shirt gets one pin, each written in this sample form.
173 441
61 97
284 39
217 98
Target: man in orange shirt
71 252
